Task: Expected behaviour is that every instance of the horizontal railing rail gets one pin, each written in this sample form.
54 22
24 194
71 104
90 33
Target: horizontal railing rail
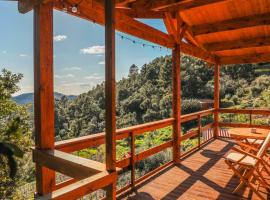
249 124
94 140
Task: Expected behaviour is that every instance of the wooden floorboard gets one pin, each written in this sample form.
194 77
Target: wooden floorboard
202 175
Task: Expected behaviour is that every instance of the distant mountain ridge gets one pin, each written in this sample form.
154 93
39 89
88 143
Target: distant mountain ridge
26 98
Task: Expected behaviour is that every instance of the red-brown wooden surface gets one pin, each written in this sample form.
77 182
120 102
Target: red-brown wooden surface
202 175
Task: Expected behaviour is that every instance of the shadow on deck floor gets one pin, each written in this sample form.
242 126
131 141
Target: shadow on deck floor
201 175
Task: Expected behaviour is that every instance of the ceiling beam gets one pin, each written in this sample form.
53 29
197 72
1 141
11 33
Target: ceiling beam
232 24
171 5
25 6
238 44
247 58
95 12
188 4
141 14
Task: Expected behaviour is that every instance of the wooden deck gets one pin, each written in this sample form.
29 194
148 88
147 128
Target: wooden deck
202 175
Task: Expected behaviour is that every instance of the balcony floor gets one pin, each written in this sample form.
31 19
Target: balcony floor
202 175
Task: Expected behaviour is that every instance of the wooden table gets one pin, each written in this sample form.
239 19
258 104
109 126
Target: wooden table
242 133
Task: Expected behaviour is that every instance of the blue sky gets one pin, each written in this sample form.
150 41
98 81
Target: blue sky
78 50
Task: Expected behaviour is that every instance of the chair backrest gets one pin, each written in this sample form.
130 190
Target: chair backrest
264 147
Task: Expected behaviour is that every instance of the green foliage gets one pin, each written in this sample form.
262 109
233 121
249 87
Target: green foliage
15 137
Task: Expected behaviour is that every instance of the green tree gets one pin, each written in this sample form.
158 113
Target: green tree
15 137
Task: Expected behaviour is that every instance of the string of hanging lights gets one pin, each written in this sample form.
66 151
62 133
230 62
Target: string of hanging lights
74 9
123 37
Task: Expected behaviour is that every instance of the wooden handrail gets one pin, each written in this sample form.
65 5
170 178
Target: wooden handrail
192 116
245 111
93 140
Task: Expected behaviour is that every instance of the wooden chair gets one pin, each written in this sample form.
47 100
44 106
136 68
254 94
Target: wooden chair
248 167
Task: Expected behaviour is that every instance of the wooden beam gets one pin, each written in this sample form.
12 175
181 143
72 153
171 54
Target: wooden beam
170 24
199 53
238 44
81 188
232 24
176 102
110 97
68 164
247 58
141 14
95 12
216 99
25 6
138 29
43 91
171 5
188 4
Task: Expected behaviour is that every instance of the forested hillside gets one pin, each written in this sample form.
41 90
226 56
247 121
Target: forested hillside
146 95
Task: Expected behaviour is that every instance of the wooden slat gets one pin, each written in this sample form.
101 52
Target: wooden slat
245 111
187 4
247 58
238 44
239 125
192 116
171 5
208 126
82 187
43 91
68 164
143 155
189 135
232 24
151 126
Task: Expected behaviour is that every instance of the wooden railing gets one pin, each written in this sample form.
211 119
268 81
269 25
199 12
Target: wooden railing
250 123
203 133
94 140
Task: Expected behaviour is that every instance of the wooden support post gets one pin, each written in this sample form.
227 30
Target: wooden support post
216 99
132 159
43 91
176 102
110 120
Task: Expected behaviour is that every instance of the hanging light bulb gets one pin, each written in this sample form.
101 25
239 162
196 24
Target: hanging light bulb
74 9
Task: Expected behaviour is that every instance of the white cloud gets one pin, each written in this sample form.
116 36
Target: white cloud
93 50
101 63
73 68
64 76
59 38
93 77
4 52
22 55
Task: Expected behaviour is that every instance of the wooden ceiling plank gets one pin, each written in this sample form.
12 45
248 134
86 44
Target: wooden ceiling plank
188 4
238 44
248 58
232 24
171 5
